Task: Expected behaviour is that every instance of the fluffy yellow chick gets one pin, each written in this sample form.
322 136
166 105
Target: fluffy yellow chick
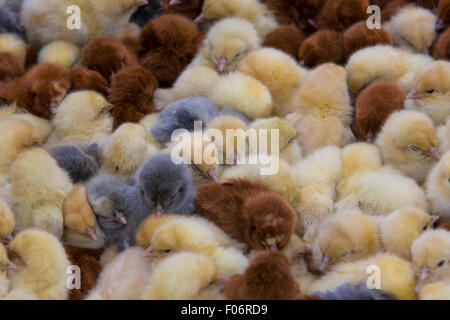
44 126
279 72
376 190
124 278
227 42
396 275
438 188
42 266
5 265
195 81
7 222
62 53
407 142
244 94
39 187
15 136
12 43
81 116
383 62
182 276
47 20
431 256
252 10
149 121
127 149
232 146
439 290
316 177
345 236
323 112
196 234
443 136
413 28
431 91
147 228
80 225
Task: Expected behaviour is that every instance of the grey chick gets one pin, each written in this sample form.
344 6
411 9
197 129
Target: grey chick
348 291
79 164
9 21
146 13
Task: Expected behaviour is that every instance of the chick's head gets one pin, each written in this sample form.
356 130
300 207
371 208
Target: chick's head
276 127
148 227
270 221
7 222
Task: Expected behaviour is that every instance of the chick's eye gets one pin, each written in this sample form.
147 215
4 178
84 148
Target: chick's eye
195 168
414 148
168 251
431 91
344 254
441 263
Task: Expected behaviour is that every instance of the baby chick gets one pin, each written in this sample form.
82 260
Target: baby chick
321 47
248 212
278 72
182 276
39 187
13 44
443 135
438 188
440 47
341 14
46 20
149 225
443 13
286 38
42 265
7 222
5 265
296 12
348 291
407 142
226 44
439 290
430 92
10 21
323 115
63 53
10 67
412 28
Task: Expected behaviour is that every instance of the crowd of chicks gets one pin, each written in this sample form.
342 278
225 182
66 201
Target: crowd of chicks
87 178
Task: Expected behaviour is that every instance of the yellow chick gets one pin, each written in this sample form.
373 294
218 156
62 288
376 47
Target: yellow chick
12 43
412 28
183 276
407 142
124 278
7 222
62 53
39 187
395 275
439 290
149 121
48 20
345 236
147 228
15 136
232 146
82 116
316 177
244 94
44 126
431 256
376 190
323 112
198 235
279 72
42 266
438 188
80 225
252 10
383 62
431 91
226 43
443 136
127 149
5 265
194 81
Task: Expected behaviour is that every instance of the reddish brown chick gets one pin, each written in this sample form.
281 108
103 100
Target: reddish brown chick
84 79
10 67
321 47
286 38
341 14
443 13
441 47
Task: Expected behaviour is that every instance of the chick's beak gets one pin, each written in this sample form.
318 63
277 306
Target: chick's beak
413 94
432 152
7 239
325 262
200 18
223 64
120 217
109 108
425 273
212 174
440 25
236 159
9 266
53 107
91 233
159 210
433 221
149 253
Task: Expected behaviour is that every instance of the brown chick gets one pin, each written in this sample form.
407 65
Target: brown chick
373 106
268 277
287 38
106 55
441 47
443 13
248 212
10 67
358 36
341 14
88 260
82 78
188 8
132 94
168 45
321 47
39 91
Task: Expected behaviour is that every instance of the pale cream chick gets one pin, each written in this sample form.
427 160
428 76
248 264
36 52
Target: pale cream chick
435 291
62 53
438 188
323 113
41 267
7 222
443 136
408 142
279 72
149 121
183 276
44 126
12 43
431 91
226 44
194 81
397 275
149 225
